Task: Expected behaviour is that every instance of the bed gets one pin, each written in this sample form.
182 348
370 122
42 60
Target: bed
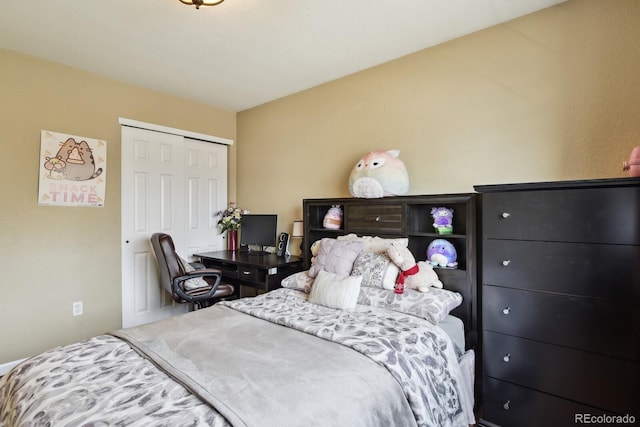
327 350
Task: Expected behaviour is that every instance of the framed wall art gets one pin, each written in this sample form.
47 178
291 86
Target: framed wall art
73 170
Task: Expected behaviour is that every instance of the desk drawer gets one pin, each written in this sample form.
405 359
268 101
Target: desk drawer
229 270
249 273
509 405
374 219
589 324
593 379
590 215
595 270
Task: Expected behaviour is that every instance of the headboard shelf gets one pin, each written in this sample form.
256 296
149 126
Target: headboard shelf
409 216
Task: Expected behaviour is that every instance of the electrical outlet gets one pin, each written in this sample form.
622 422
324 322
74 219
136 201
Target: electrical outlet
77 308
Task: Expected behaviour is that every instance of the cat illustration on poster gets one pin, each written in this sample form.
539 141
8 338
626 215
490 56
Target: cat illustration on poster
78 159
72 170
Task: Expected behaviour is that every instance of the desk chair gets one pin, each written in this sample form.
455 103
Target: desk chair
184 283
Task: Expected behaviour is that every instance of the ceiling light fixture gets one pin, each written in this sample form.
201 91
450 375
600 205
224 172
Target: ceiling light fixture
198 3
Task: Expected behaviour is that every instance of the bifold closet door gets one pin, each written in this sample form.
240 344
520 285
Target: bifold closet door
170 184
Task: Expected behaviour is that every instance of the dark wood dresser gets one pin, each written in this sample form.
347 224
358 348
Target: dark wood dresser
560 302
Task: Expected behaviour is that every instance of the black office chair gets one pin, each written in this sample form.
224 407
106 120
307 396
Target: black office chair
200 286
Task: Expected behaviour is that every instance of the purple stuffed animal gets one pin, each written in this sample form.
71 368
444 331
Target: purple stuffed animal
442 253
442 220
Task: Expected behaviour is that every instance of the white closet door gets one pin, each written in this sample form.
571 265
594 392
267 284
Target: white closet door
206 194
162 191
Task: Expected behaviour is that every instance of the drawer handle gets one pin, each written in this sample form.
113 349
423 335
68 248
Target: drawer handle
505 215
506 405
506 310
506 262
246 273
507 358
377 219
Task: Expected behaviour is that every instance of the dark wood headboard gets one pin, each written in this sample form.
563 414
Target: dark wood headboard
410 216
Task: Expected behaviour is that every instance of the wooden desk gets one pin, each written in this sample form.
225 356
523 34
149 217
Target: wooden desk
263 272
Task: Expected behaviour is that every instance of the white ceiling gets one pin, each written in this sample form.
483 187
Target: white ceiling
241 53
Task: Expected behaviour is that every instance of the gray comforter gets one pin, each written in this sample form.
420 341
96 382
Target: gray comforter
298 368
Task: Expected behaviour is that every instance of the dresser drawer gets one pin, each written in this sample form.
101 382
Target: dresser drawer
594 270
590 215
590 324
374 219
589 378
509 405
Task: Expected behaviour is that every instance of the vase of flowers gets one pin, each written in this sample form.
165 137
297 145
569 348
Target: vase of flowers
230 220
232 240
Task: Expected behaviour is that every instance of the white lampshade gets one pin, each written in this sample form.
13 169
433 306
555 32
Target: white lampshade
298 229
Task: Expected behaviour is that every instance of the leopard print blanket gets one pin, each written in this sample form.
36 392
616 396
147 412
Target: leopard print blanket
102 381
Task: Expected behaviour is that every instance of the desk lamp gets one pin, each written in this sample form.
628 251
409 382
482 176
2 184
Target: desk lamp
298 232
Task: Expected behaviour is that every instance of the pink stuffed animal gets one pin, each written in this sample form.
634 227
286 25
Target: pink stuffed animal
379 174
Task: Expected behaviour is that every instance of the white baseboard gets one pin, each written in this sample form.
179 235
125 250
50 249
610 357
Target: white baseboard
6 367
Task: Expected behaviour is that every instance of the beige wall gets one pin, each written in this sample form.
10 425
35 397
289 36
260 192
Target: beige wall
52 256
551 96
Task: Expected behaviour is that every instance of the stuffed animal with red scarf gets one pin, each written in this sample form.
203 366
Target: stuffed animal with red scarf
419 276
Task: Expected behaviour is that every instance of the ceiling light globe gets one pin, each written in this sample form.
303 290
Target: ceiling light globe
198 3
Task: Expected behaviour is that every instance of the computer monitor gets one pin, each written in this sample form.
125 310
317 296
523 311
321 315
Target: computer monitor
258 230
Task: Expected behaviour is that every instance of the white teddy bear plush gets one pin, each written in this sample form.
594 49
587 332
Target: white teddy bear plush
420 276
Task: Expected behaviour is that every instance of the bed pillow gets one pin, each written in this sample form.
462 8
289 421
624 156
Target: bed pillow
190 284
335 256
374 244
335 291
299 281
433 306
377 270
